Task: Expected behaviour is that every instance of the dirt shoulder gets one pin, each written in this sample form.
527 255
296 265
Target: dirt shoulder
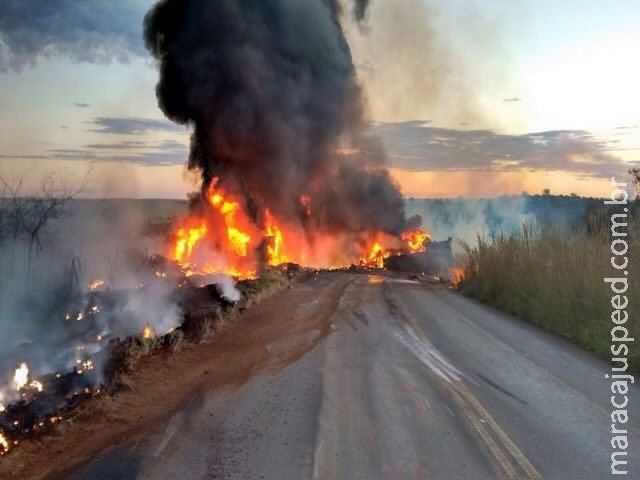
161 383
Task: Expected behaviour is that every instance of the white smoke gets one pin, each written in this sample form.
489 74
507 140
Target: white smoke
86 283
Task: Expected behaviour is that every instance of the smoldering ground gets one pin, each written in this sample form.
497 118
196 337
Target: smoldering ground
55 314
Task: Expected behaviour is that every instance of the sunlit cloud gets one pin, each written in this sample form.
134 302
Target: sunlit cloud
134 126
416 146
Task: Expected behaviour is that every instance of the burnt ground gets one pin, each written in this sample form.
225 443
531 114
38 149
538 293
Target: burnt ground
162 382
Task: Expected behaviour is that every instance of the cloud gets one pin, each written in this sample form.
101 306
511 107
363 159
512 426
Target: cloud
144 149
116 146
169 152
415 146
94 31
81 105
419 147
23 157
134 126
70 154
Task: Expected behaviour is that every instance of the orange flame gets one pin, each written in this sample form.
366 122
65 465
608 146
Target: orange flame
458 276
187 239
96 284
225 217
147 333
275 255
224 238
415 240
229 209
4 443
375 257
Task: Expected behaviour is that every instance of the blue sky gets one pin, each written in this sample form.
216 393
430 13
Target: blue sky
522 94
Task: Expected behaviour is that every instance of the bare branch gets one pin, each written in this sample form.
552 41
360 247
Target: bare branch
27 216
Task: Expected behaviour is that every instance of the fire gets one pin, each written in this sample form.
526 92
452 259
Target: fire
225 217
55 419
87 365
229 209
226 236
415 240
21 377
276 245
239 240
187 239
96 284
147 333
36 385
376 256
458 276
4 443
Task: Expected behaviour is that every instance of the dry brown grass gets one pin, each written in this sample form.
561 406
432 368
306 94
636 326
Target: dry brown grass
140 348
177 341
556 280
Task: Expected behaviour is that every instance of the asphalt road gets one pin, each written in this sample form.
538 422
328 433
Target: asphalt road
414 382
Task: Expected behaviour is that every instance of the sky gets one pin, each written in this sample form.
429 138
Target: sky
470 98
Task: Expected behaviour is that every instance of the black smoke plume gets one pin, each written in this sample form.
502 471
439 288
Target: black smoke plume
270 91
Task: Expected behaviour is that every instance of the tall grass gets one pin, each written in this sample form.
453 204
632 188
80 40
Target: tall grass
555 279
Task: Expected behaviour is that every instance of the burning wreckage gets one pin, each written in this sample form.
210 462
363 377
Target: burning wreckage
290 175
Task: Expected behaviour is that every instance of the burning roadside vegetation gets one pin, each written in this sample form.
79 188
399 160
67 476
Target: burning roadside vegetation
36 406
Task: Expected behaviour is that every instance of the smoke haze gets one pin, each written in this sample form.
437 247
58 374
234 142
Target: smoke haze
413 70
52 316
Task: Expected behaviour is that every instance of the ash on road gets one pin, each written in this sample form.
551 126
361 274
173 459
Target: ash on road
396 380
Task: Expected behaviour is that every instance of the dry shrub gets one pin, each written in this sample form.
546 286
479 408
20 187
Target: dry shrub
555 279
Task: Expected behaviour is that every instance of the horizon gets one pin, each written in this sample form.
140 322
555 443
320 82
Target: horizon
406 199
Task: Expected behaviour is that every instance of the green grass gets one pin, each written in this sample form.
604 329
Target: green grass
555 279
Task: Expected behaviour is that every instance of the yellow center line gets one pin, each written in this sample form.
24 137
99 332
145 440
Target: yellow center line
506 453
